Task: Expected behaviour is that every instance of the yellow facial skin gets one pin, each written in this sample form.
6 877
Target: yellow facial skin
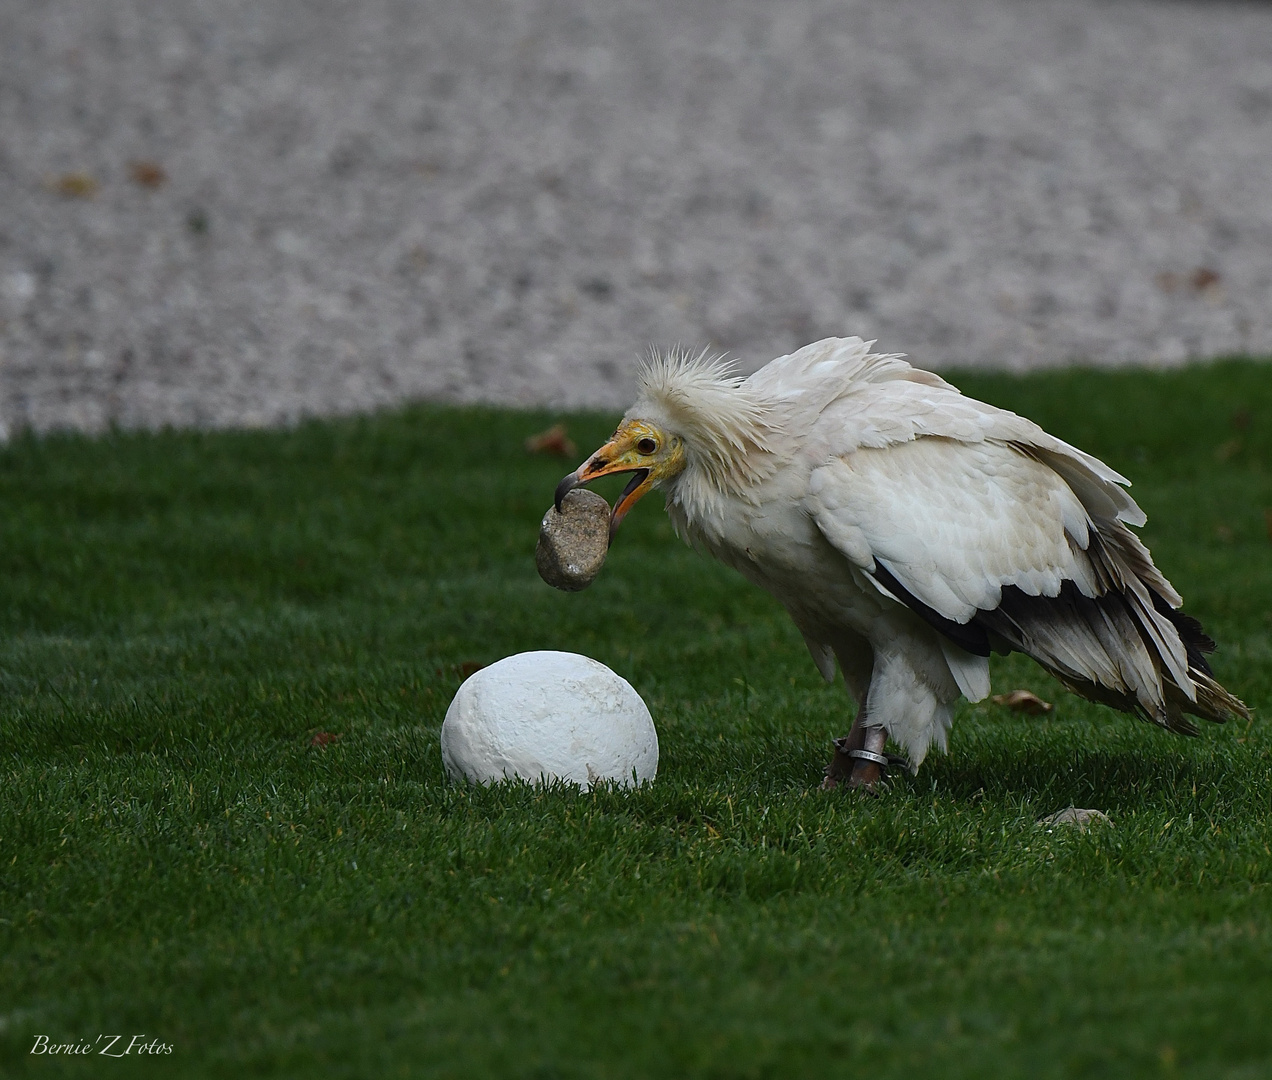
636 447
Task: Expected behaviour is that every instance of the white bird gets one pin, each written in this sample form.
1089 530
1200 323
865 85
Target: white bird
909 531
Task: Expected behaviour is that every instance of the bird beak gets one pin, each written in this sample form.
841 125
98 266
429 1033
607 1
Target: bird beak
616 456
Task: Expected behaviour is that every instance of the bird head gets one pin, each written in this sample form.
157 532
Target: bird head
641 447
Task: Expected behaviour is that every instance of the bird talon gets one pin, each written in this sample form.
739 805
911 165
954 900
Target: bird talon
862 780
840 767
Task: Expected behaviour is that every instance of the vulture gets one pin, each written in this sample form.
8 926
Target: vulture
910 531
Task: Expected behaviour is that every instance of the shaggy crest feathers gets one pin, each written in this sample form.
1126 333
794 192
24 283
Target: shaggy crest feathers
724 422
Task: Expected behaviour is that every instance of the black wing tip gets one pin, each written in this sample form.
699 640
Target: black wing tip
969 636
1197 643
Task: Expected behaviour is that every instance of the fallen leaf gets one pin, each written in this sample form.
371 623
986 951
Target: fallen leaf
1227 450
469 667
149 174
1203 280
554 441
323 738
75 185
1071 815
1023 701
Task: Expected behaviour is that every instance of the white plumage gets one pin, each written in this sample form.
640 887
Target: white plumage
908 530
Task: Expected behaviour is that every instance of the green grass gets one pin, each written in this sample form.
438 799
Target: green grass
180 613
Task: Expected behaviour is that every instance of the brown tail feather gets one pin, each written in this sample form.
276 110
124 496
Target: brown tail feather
1213 701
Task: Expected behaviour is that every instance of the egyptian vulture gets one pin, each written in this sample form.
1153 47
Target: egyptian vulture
909 531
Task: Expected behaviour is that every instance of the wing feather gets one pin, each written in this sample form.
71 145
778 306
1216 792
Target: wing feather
954 522
989 527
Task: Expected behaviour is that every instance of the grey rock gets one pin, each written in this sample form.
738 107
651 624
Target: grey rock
573 542
1072 815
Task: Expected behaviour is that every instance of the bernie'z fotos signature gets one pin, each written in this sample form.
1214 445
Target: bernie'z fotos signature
104 1045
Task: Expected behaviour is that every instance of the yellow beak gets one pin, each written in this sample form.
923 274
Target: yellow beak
619 455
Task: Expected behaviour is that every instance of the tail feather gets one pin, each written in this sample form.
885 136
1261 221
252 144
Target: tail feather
1100 649
1127 648
1196 641
1214 702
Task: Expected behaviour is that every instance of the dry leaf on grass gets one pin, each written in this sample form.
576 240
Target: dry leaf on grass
324 739
554 441
1228 449
1023 701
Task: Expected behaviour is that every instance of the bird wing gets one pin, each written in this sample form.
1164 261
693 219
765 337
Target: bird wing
836 397
954 522
994 531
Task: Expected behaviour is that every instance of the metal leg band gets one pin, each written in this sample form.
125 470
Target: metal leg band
869 755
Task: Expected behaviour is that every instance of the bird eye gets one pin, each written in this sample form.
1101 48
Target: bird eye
647 446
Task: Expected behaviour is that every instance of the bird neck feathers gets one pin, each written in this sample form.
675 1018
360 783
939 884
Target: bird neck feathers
725 423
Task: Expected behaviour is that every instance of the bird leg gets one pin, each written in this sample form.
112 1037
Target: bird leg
857 772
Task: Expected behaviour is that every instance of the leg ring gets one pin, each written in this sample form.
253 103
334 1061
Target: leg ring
869 755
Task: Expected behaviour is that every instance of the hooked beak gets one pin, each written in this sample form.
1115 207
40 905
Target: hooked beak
609 459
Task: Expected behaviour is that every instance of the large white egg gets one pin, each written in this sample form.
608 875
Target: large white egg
545 716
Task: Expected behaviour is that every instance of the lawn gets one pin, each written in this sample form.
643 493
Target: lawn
182 614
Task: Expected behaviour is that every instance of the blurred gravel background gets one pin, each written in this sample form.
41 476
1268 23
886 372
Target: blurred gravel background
229 212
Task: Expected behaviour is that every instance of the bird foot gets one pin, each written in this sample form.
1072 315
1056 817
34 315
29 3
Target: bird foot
848 769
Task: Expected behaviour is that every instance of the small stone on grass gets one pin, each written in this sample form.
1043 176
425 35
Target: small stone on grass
1072 815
